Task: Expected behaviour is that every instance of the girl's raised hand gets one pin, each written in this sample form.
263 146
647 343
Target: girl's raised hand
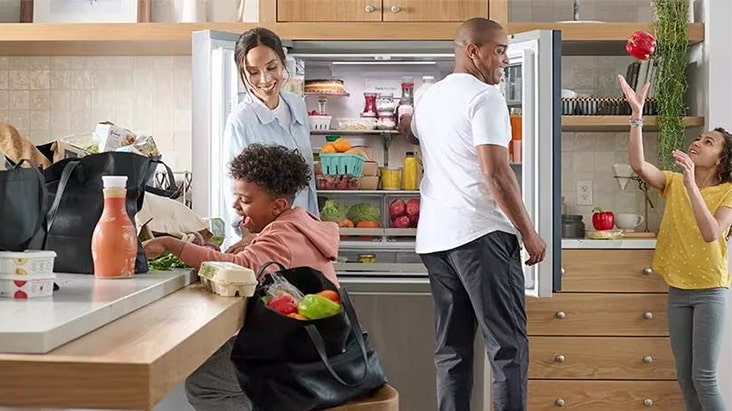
687 167
636 100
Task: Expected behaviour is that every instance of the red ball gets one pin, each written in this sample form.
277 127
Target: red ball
641 45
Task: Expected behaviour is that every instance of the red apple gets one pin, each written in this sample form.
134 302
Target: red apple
401 222
413 207
397 208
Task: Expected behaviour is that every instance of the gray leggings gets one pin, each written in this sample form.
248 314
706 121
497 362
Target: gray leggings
696 323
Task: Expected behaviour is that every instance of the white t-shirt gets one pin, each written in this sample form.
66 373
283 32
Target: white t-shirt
282 112
453 117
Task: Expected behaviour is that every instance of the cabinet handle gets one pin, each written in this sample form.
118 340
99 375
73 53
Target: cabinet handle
563 271
559 358
369 8
647 359
560 314
648 402
395 9
559 402
648 315
647 271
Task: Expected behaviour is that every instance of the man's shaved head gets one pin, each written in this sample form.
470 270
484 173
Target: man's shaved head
480 49
477 30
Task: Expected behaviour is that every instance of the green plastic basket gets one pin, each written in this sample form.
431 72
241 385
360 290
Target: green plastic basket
338 164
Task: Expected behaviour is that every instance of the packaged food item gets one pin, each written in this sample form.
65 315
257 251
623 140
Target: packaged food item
227 279
112 137
27 263
411 172
281 286
114 241
23 286
391 178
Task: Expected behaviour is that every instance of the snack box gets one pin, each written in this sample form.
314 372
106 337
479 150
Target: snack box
227 279
26 286
27 263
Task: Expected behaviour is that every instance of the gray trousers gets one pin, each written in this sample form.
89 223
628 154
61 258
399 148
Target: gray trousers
214 386
696 324
480 284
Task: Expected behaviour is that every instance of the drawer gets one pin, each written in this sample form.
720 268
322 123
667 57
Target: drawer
598 315
601 358
604 395
612 271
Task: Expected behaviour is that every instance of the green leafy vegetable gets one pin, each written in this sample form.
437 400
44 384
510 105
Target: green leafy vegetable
332 211
363 212
167 262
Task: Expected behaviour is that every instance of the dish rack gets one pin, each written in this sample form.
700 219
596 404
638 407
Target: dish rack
183 179
603 106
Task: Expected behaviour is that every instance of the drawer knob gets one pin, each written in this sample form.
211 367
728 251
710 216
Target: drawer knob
560 314
559 358
648 402
395 9
647 359
563 271
369 8
559 402
648 315
647 271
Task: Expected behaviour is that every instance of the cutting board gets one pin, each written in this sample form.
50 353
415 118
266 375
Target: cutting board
639 234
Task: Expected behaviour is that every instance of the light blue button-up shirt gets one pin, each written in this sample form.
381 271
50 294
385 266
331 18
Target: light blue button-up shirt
251 122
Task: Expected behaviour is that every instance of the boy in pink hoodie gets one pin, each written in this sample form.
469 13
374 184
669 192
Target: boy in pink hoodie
266 180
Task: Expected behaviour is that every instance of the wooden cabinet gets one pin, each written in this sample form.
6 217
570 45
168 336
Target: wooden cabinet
380 10
602 343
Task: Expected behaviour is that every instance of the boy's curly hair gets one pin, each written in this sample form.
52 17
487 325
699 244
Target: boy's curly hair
277 169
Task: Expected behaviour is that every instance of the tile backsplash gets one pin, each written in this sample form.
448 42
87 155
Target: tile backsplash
48 98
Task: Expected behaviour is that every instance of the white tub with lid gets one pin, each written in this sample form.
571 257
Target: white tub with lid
26 286
27 263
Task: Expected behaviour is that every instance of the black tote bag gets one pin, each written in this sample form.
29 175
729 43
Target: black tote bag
76 203
326 382
269 335
23 205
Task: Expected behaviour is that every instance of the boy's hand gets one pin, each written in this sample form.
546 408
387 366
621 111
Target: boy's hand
246 238
154 248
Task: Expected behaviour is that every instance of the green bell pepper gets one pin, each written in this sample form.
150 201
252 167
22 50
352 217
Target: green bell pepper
315 307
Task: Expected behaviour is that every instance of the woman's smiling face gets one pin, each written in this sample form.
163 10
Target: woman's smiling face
264 73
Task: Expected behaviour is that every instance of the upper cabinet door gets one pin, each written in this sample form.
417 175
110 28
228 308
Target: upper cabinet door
329 10
434 10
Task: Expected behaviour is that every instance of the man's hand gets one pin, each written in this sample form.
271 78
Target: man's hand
405 128
536 247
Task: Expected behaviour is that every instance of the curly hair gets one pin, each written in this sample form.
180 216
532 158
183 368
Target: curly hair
277 169
724 171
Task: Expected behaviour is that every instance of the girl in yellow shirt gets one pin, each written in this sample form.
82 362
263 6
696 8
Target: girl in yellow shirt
691 251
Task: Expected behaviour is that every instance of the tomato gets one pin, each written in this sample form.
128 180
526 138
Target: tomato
603 220
331 295
641 45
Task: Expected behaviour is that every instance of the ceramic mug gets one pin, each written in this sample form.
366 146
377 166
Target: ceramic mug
628 221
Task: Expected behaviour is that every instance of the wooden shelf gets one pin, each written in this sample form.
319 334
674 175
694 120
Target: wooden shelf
617 123
27 39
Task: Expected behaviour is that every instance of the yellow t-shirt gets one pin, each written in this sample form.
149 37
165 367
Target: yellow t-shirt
682 256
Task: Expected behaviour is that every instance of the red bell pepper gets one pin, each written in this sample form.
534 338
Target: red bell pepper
603 220
283 304
641 45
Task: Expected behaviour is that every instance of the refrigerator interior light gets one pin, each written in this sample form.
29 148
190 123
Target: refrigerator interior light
383 63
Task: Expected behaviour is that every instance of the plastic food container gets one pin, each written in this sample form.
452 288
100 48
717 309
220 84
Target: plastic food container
27 263
320 123
227 279
25 286
356 124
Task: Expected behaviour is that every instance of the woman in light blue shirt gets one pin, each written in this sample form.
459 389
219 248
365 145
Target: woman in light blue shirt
267 115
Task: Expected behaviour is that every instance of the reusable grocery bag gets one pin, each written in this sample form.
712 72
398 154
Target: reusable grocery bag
23 204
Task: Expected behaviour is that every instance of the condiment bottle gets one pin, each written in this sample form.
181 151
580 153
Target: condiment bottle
515 146
114 241
406 102
411 172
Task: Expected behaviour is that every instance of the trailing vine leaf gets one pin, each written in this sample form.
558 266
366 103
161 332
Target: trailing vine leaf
670 82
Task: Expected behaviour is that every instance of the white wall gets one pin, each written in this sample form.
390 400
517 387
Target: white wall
718 59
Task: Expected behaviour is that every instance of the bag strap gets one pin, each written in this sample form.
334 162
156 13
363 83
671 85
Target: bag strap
319 344
266 265
173 190
63 182
43 194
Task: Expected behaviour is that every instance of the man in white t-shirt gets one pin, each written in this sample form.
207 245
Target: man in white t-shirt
471 219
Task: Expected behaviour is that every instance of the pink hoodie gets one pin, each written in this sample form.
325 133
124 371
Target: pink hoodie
295 239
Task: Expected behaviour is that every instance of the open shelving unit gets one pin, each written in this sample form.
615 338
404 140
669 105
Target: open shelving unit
617 123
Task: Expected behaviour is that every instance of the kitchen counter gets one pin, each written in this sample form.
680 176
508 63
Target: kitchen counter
131 363
627 243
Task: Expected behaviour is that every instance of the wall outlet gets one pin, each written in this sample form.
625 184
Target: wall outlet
584 193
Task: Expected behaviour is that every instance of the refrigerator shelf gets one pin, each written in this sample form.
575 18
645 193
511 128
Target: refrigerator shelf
352 132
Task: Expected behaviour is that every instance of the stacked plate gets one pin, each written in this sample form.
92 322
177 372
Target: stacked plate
26 274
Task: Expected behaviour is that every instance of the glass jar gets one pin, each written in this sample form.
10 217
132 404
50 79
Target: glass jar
391 178
406 102
386 121
369 109
385 102
411 172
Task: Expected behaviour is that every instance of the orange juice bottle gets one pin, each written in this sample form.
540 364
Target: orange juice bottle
114 241
516 133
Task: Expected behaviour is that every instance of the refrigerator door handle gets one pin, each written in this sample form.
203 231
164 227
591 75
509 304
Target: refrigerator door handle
530 165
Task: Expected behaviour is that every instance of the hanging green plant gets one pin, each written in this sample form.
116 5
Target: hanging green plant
670 82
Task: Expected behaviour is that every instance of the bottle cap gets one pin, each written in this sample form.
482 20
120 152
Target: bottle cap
409 153
114 181
331 139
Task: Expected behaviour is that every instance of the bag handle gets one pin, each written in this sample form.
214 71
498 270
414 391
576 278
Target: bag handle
266 265
319 344
63 182
43 194
173 190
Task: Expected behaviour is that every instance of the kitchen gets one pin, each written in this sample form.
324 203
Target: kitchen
588 152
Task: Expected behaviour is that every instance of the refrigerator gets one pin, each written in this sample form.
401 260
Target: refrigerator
392 297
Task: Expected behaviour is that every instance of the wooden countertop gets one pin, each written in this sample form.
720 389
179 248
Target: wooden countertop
131 363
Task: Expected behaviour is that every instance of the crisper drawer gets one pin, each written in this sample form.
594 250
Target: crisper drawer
598 315
601 358
611 271
604 395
